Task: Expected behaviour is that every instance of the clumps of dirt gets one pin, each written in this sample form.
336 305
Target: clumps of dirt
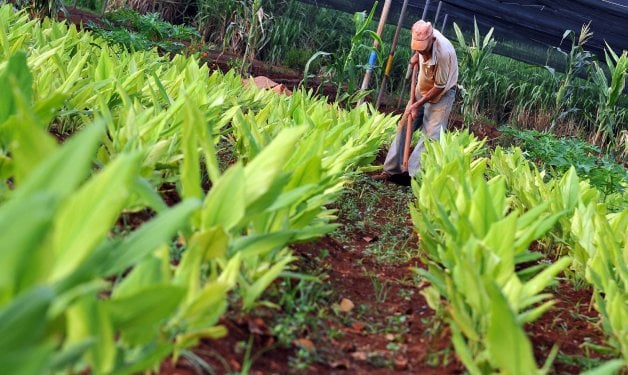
80 17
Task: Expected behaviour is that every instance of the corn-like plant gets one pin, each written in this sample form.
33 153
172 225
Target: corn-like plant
472 68
578 61
609 115
345 67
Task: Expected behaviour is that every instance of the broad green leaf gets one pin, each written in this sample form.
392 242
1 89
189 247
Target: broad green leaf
260 244
532 315
482 214
58 176
463 350
257 288
88 320
70 356
610 367
190 168
149 357
33 360
225 203
46 109
570 189
545 278
273 192
145 274
105 69
17 79
33 217
512 352
22 322
192 337
86 217
231 271
147 195
206 308
148 237
432 297
261 172
30 144
138 316
203 246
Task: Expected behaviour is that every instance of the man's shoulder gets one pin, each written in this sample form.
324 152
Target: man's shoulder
444 45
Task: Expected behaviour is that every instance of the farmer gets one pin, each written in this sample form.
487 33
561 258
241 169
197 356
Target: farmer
435 93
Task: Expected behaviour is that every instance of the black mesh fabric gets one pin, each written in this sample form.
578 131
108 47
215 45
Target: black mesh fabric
535 22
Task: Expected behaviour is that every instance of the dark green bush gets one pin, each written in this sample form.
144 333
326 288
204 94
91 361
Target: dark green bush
557 155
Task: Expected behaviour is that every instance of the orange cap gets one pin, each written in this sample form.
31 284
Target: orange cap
422 33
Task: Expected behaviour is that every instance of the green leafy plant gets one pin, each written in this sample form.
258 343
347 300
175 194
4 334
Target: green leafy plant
345 62
556 155
599 241
473 64
142 31
42 8
162 119
609 115
578 61
60 259
472 241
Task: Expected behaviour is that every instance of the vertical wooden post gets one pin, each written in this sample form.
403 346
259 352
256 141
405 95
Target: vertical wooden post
373 56
442 29
427 5
393 48
440 4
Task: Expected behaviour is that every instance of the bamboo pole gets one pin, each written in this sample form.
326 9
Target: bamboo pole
373 56
427 5
440 4
391 56
442 28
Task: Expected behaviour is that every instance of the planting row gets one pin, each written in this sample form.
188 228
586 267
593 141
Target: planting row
253 172
477 215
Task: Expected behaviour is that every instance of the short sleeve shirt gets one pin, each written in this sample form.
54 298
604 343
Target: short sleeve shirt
441 70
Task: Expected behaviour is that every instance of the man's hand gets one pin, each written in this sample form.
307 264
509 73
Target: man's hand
413 109
414 59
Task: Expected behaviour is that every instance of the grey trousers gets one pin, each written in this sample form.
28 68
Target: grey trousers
433 118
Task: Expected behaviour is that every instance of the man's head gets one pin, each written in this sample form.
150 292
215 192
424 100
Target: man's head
422 37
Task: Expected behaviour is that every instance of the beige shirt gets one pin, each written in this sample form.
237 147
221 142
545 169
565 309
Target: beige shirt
440 70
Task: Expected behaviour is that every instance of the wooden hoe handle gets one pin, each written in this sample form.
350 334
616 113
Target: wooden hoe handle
409 121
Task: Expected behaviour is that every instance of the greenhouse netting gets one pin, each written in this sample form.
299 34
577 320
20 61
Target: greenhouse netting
535 22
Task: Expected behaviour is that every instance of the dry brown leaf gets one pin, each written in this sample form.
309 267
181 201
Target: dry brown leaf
360 356
346 305
357 326
341 365
306 344
401 363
